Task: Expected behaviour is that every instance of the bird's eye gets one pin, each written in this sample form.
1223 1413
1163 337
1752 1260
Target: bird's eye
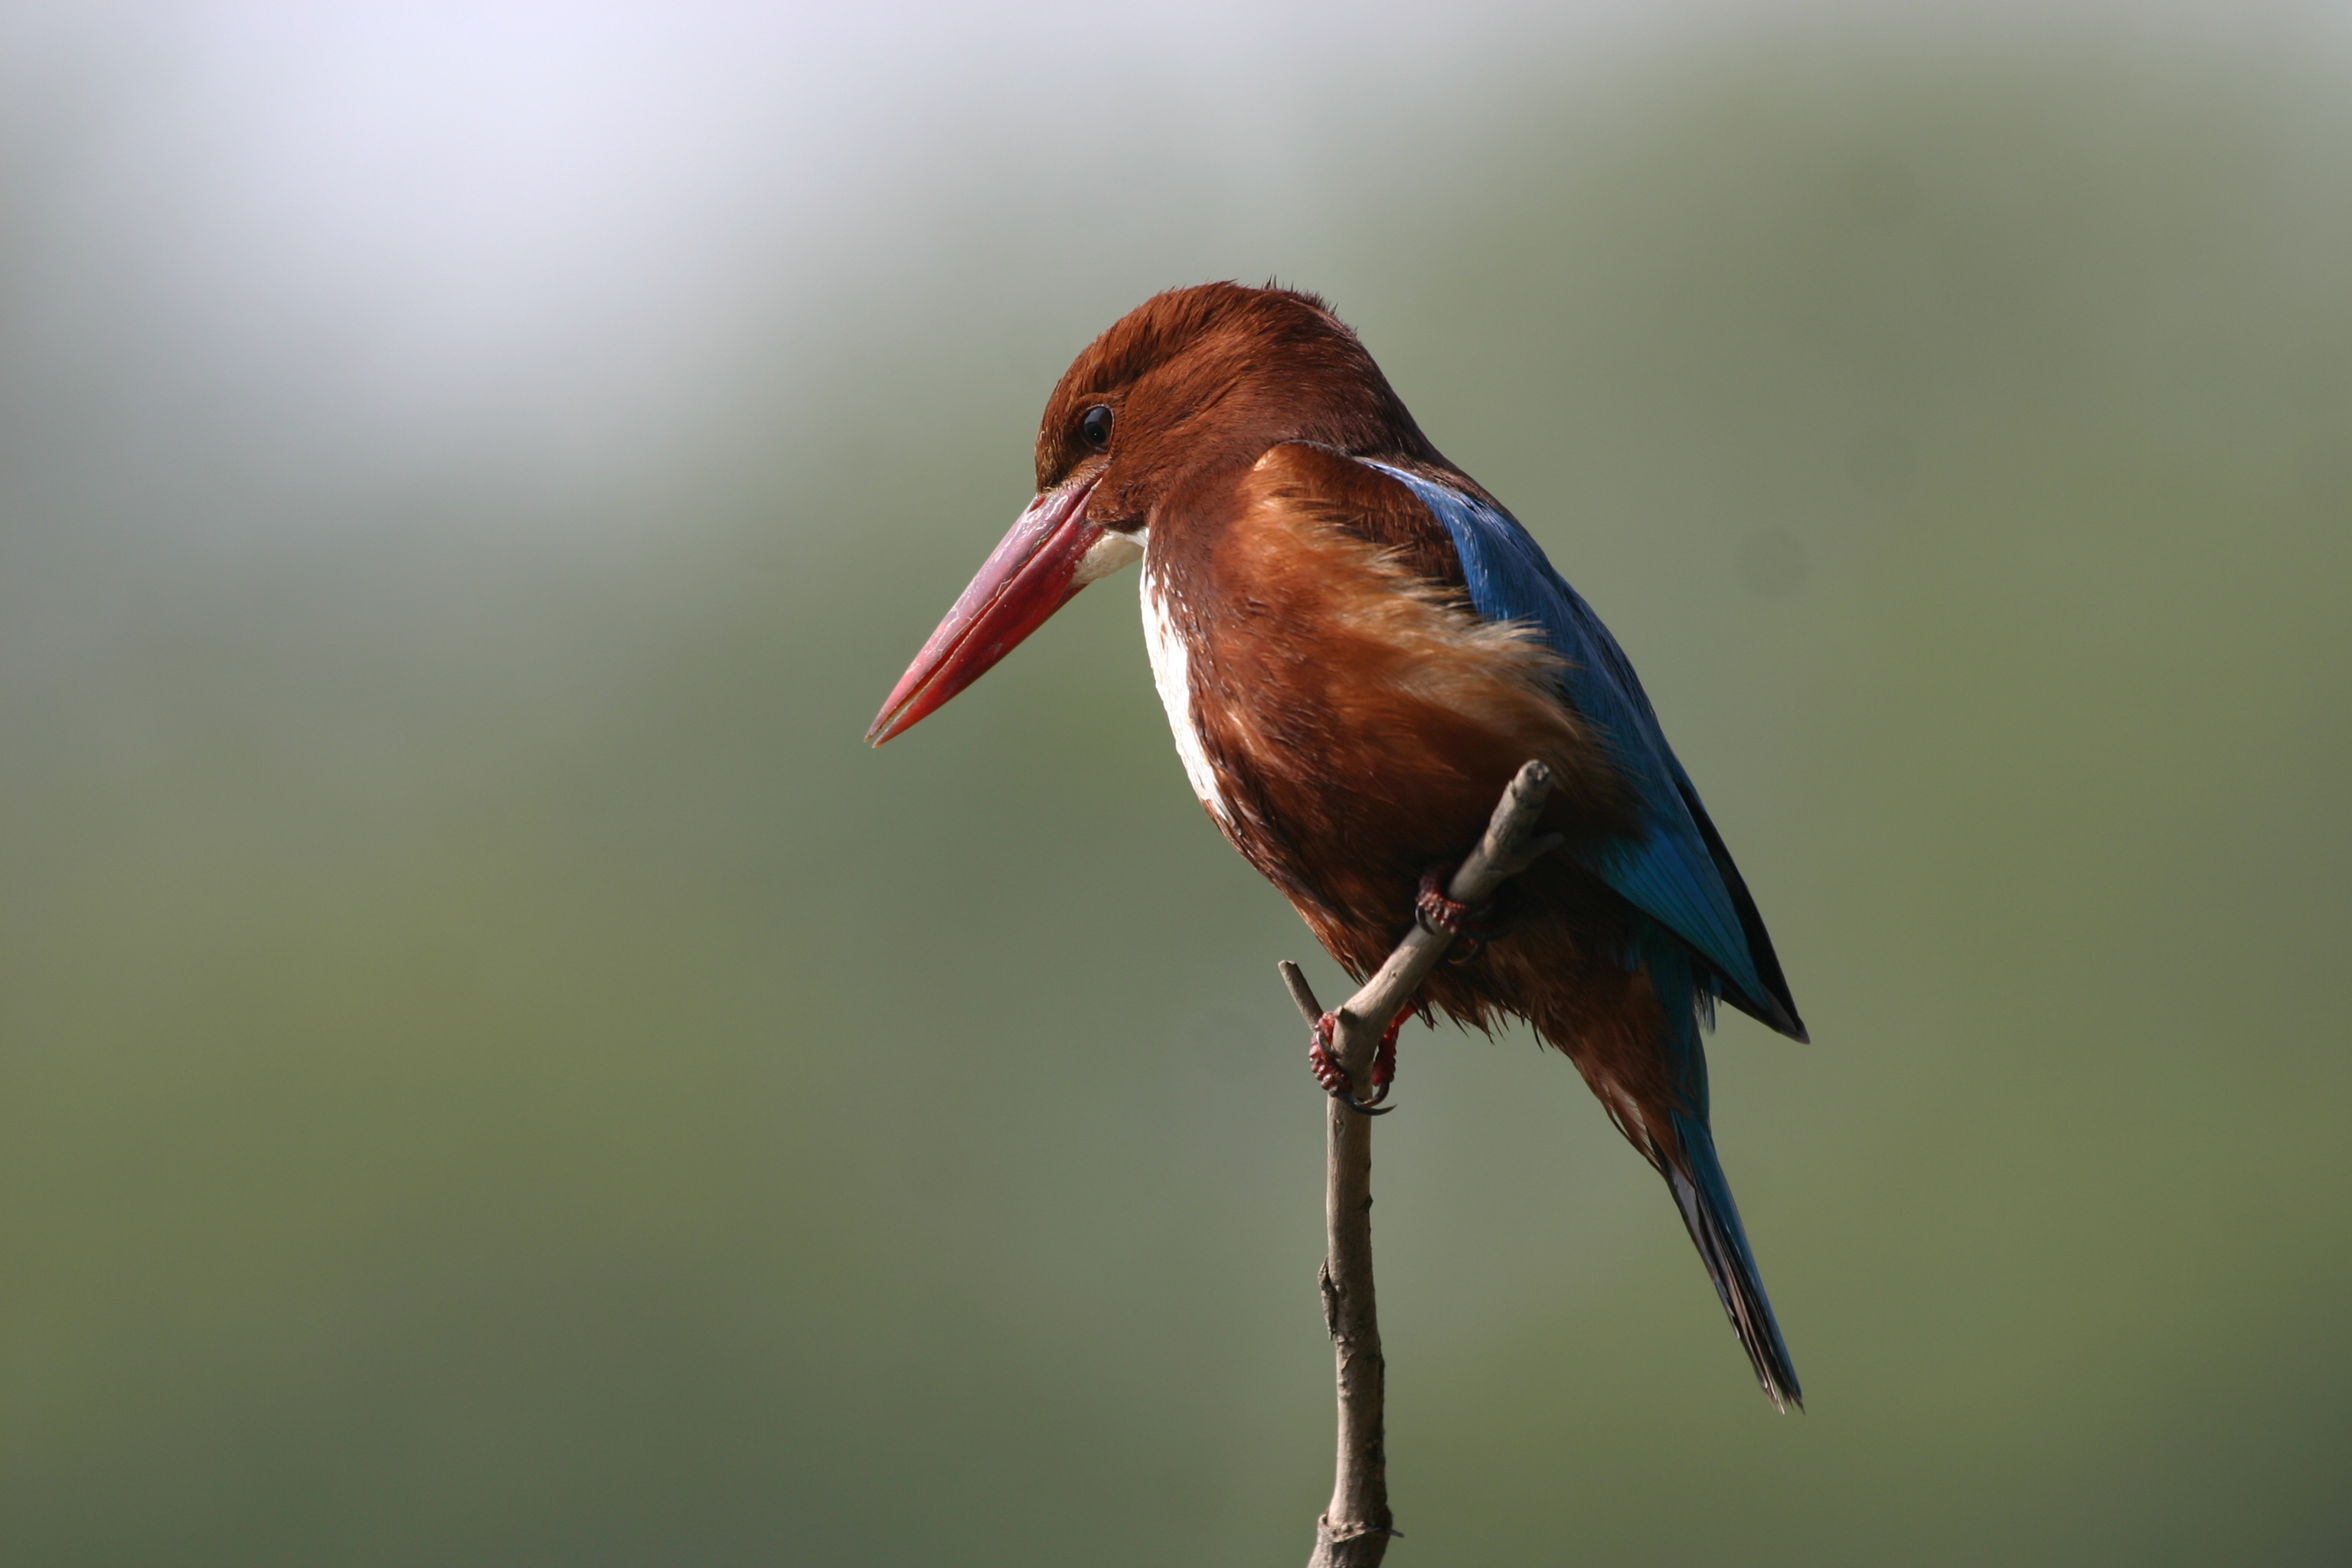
1095 427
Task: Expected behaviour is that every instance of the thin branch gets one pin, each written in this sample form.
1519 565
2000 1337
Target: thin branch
1355 1531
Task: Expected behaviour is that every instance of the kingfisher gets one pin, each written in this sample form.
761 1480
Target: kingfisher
1357 647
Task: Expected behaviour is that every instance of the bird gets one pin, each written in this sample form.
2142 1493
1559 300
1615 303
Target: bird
1358 647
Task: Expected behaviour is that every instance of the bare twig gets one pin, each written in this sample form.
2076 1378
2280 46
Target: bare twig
1354 1532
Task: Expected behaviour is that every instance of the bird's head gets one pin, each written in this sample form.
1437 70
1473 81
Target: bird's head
1188 384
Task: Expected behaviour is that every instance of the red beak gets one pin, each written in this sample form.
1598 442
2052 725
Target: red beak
1032 572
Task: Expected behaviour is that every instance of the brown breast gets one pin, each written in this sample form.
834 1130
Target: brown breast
1357 721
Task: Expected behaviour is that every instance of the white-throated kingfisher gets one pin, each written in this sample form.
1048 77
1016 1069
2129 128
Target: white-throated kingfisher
1357 647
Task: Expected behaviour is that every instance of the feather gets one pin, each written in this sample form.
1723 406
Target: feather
1701 1190
1358 647
1677 871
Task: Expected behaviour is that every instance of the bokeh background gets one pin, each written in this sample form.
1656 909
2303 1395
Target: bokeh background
492 1071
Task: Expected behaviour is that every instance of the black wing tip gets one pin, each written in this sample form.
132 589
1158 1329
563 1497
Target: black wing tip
1774 1012
1777 1009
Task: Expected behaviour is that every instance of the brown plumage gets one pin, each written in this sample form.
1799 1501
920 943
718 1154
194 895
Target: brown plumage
1350 717
1361 718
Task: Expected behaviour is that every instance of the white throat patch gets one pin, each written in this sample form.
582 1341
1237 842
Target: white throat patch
1105 556
1171 673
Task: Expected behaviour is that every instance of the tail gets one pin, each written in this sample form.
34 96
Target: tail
1696 1174
1705 1197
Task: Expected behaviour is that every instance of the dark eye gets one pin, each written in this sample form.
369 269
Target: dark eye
1095 427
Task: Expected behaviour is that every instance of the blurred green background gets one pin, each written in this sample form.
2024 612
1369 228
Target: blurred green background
493 1072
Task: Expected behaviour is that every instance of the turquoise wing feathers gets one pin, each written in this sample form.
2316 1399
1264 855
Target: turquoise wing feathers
1677 871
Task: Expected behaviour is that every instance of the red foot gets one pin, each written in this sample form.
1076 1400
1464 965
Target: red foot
1384 1059
1321 1062
1433 910
1334 1078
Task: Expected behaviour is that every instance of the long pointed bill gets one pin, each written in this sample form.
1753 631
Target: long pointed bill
1051 553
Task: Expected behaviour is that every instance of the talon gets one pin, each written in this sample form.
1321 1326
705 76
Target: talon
1334 1078
1322 1063
1433 911
1385 1060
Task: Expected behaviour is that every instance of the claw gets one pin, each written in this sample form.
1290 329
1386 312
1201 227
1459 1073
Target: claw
1433 910
1334 1078
1384 1059
1319 1059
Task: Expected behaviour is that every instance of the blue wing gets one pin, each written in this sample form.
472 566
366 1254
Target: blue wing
1677 871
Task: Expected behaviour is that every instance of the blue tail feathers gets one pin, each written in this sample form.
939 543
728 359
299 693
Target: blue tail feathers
1700 1188
1705 1198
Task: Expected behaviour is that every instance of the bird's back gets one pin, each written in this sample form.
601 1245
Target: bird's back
1356 657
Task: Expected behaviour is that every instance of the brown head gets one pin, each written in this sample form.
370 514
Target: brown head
1210 376
1187 383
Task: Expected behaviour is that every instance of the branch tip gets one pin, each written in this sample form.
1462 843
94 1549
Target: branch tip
1302 993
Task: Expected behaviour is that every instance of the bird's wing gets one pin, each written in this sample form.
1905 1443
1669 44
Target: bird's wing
1678 871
